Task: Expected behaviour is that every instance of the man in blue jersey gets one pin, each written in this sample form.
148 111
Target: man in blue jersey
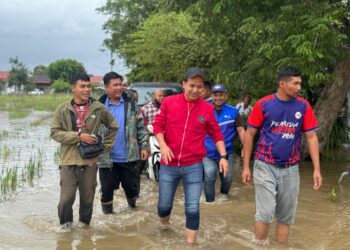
228 118
281 118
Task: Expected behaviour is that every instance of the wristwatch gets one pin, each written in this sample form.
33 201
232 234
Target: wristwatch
224 156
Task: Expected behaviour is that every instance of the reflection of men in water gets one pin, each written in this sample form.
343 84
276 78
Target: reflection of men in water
120 166
180 127
73 122
281 117
149 110
206 91
244 107
230 124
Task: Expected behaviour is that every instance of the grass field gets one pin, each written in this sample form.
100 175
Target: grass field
20 106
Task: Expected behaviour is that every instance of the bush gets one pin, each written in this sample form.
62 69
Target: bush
60 86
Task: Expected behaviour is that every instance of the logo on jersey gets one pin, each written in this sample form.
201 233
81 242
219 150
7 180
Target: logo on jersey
286 129
201 118
298 115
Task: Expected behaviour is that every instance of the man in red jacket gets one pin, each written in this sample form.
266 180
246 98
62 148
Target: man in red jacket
180 127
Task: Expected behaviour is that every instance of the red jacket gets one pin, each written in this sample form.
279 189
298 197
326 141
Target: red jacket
184 127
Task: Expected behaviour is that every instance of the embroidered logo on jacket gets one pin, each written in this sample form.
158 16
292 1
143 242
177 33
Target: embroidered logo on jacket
201 118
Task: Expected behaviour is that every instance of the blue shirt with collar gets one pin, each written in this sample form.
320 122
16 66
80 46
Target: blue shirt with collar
118 153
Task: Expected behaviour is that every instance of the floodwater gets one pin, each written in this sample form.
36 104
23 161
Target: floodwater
28 217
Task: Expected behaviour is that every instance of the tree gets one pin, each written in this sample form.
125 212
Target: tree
18 76
145 52
2 85
62 69
40 69
60 86
244 43
125 16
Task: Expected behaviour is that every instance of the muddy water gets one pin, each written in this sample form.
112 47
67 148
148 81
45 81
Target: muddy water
28 219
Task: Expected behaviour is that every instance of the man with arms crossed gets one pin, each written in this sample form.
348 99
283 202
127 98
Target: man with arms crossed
180 127
281 118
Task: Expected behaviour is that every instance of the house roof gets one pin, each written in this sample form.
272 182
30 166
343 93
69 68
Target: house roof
96 79
4 75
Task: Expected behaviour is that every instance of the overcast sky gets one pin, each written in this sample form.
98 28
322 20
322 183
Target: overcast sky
42 31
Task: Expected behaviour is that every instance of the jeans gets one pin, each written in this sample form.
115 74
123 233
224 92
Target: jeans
211 167
169 177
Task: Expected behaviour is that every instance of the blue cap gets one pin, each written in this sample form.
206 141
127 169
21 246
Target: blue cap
218 88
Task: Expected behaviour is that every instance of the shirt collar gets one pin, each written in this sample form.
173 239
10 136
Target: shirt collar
111 104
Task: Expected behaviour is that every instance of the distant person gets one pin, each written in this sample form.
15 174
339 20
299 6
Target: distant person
125 85
73 122
244 107
180 127
130 145
281 118
150 110
229 121
206 91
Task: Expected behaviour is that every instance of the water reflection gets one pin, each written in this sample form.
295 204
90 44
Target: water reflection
29 219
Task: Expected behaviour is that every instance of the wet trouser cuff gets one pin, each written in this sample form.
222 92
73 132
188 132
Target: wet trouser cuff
164 212
192 221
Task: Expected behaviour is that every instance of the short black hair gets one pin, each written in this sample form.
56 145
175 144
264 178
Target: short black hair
73 78
287 72
207 85
111 75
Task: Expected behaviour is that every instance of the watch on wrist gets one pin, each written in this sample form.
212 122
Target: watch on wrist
224 156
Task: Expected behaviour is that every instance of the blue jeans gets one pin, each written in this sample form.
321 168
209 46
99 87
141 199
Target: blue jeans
169 177
211 167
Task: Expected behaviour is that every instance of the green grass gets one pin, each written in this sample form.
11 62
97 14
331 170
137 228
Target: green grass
3 134
20 106
8 180
6 151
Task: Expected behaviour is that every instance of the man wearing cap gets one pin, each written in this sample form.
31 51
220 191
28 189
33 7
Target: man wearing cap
180 127
229 121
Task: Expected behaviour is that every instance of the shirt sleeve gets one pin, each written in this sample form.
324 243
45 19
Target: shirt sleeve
310 122
256 117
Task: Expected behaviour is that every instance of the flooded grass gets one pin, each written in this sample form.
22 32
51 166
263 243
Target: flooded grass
5 152
3 134
57 153
8 180
39 121
19 106
32 169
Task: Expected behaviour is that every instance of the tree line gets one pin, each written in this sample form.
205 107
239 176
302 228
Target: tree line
58 71
239 43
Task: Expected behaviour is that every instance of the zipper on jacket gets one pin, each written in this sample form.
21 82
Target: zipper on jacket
183 136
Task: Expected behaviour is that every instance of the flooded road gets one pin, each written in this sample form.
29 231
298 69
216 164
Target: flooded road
28 217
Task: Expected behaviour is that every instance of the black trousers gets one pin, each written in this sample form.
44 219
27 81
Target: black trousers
121 173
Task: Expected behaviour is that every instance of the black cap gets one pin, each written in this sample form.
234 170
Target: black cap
192 72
